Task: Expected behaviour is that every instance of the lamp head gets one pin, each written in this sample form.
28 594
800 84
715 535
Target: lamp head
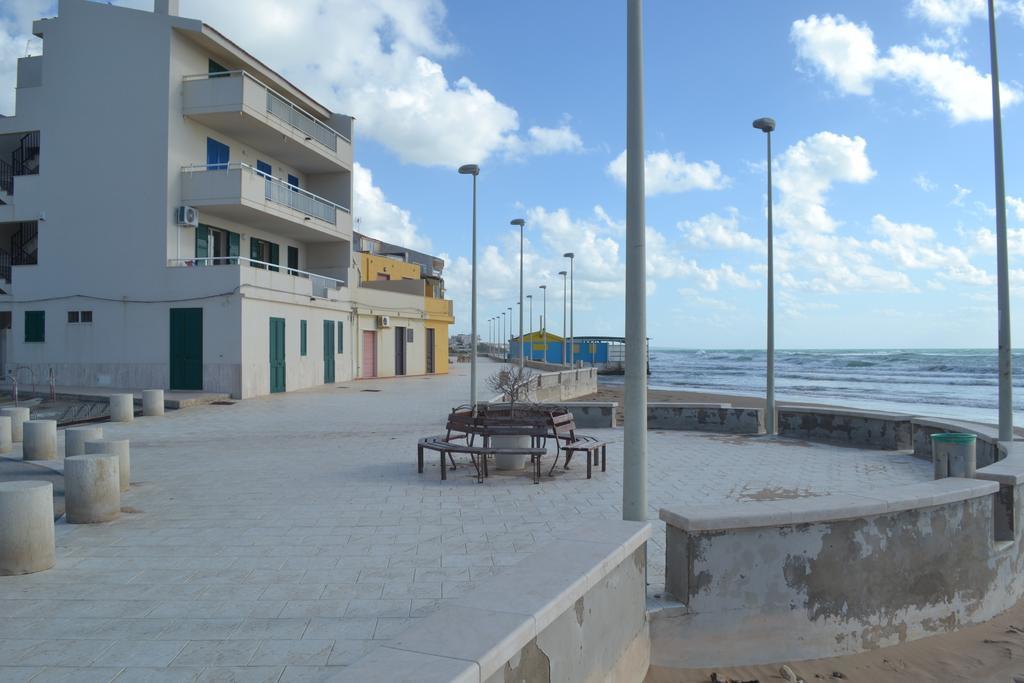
543 287
518 221
563 272
469 169
569 254
765 124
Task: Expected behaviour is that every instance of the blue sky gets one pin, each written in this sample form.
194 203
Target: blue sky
883 154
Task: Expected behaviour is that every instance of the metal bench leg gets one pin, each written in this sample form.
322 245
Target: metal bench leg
419 459
536 469
590 462
444 466
554 464
604 458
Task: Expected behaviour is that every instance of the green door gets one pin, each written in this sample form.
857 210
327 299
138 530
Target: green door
328 352
277 366
187 349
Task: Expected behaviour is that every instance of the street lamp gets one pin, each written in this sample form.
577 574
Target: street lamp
473 170
572 310
767 125
508 339
530 299
501 340
565 338
522 227
544 321
1002 267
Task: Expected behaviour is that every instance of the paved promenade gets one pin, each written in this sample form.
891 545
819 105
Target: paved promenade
280 538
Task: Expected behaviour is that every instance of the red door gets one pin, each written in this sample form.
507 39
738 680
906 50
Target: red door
369 354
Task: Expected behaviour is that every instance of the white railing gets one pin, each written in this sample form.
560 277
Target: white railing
321 283
308 126
280 192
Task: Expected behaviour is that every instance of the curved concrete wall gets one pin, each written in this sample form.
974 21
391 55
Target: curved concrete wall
710 417
847 427
817 577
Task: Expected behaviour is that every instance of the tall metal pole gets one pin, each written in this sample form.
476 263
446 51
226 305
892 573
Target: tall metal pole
509 344
767 125
634 469
530 332
522 227
565 337
572 310
473 170
544 321
1002 267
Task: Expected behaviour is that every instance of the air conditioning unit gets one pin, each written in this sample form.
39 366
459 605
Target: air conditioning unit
383 322
186 216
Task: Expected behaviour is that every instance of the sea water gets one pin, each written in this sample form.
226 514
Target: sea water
957 383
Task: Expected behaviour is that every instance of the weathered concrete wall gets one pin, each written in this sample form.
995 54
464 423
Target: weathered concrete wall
551 387
573 612
710 418
597 414
841 574
986 447
866 429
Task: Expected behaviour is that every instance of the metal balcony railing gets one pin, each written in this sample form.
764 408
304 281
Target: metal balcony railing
306 125
321 284
280 192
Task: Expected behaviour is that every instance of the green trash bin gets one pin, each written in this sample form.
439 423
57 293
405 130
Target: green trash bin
953 455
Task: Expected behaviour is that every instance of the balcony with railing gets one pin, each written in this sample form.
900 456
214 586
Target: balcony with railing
267 275
236 103
239 192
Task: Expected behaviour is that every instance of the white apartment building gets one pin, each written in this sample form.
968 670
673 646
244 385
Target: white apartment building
175 214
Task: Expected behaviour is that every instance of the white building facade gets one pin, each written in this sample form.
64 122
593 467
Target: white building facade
175 214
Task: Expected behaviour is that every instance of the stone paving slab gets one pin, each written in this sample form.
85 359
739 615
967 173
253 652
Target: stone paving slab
283 537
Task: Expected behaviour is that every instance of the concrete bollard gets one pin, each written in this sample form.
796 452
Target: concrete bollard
19 416
118 447
26 527
75 438
122 407
6 444
954 455
92 489
153 402
40 441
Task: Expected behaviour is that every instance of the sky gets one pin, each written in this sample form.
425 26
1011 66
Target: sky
883 157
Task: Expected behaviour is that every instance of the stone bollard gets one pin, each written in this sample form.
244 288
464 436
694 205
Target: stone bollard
153 402
26 527
118 447
92 489
954 455
75 438
19 416
5 434
40 440
122 407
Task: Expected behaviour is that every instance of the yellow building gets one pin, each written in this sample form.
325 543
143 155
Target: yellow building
421 317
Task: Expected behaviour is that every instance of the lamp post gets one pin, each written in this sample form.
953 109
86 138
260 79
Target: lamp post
529 298
572 310
565 338
522 227
767 125
544 320
1002 267
634 465
508 339
473 170
501 341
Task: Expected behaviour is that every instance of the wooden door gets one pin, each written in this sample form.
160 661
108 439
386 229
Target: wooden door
277 362
369 368
328 352
186 364
399 351
430 351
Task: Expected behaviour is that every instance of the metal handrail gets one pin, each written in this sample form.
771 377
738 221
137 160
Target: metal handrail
280 192
318 127
321 283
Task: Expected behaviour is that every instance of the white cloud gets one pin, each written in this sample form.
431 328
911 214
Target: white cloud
846 54
712 230
377 217
379 61
1016 204
670 173
949 12
925 183
916 247
961 194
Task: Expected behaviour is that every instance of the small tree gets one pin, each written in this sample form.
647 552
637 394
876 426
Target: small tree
513 383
